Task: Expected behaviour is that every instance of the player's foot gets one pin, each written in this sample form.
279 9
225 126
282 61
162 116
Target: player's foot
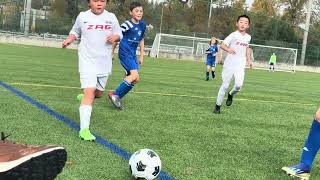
20 161
229 100
300 170
217 109
115 100
86 135
213 76
207 78
79 97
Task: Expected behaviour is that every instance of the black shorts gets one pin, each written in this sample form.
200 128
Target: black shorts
271 64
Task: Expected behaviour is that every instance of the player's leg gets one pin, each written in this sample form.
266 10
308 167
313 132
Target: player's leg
227 75
270 67
273 67
88 84
207 72
309 152
131 66
101 84
238 82
213 70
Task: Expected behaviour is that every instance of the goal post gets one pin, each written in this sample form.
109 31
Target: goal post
193 48
286 57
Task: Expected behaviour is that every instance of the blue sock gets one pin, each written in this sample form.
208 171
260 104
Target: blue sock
123 88
128 89
312 145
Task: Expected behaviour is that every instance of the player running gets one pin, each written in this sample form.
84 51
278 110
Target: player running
98 30
237 46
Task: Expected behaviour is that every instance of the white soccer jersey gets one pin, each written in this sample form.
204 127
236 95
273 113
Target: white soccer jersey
239 43
95 54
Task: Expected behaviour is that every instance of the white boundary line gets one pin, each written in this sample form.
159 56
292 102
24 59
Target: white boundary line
166 94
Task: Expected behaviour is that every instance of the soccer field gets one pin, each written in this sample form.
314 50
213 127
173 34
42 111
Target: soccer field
170 111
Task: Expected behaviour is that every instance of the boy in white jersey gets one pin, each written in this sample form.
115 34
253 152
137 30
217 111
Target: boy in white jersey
237 46
98 29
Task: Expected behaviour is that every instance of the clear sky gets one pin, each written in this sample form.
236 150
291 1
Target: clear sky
249 2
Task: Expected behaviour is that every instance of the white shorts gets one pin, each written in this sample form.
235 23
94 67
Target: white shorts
229 73
93 81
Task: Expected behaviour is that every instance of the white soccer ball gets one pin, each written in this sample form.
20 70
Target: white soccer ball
184 1
145 163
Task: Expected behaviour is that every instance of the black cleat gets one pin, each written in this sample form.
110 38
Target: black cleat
217 109
207 78
229 100
213 76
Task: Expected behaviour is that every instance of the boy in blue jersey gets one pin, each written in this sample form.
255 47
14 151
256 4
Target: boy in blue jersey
133 35
211 58
310 149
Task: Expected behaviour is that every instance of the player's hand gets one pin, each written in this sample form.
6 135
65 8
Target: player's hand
141 60
113 38
231 51
66 43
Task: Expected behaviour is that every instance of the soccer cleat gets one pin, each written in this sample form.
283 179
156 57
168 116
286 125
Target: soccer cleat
207 78
229 100
86 135
300 171
213 76
116 101
217 109
27 162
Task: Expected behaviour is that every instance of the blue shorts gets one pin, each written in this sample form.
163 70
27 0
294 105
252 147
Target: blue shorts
128 61
211 62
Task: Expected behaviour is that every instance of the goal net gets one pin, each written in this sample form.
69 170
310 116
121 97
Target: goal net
193 48
286 57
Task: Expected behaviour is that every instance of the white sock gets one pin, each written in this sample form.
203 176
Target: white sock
85 115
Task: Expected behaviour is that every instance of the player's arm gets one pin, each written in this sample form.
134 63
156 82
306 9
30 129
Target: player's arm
226 43
69 40
116 34
227 49
74 34
114 46
248 57
141 44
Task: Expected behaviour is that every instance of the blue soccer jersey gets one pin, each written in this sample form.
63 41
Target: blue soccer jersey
211 60
132 35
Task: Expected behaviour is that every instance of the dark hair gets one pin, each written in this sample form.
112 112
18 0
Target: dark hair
243 16
134 5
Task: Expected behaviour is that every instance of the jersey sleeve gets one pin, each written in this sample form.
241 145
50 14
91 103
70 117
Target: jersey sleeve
228 40
116 27
76 29
126 26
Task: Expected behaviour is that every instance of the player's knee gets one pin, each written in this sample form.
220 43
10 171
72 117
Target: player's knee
88 99
317 116
238 88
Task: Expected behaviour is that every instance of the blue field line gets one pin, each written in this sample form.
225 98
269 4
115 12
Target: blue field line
114 148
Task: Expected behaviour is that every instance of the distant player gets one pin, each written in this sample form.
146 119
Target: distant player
211 58
239 53
272 61
133 36
310 149
98 29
